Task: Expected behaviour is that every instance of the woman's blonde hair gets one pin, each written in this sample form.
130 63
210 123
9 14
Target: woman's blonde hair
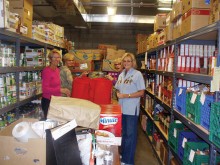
68 56
52 52
134 63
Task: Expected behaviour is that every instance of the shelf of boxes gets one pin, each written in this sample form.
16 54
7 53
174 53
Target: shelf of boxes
194 57
22 79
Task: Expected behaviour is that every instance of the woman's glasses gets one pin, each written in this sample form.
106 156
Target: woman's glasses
127 61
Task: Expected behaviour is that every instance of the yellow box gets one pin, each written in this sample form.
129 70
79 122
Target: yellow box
81 56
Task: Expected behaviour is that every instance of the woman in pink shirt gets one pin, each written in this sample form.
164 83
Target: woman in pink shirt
51 83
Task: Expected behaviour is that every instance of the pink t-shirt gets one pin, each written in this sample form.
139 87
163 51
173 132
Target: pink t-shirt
51 83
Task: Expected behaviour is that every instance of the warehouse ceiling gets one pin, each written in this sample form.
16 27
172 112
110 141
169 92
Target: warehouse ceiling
93 13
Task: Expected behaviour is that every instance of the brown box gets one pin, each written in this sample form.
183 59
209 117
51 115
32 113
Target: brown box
215 11
13 152
169 32
177 28
176 11
160 22
174 162
189 4
25 10
194 19
81 56
108 65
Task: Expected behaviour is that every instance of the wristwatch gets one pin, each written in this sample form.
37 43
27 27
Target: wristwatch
129 95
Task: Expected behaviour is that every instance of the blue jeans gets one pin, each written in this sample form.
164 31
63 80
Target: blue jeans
129 138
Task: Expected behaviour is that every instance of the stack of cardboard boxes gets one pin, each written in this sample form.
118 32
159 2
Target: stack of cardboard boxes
17 16
24 8
141 42
186 16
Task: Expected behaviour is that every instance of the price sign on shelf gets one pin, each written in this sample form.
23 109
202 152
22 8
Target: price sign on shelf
216 80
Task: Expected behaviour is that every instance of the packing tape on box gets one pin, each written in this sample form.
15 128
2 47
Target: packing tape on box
23 131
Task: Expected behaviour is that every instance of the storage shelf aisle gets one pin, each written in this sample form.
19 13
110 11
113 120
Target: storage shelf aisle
144 152
165 83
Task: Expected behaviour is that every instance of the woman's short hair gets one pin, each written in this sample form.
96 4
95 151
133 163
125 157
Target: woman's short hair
52 52
134 63
68 56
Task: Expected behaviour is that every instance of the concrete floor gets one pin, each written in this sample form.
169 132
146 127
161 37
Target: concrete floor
144 154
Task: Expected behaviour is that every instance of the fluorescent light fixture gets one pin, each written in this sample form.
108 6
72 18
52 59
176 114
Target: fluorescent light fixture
164 8
111 10
166 1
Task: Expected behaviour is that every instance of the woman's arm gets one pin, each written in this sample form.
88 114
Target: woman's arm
131 95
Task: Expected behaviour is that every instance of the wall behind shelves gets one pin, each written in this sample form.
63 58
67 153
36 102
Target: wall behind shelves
91 38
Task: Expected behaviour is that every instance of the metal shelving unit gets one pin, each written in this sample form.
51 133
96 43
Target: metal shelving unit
19 41
209 35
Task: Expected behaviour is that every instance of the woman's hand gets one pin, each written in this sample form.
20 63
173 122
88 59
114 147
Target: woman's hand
109 77
121 95
66 91
85 73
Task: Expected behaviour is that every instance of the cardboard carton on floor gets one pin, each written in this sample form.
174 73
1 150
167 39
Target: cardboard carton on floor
13 152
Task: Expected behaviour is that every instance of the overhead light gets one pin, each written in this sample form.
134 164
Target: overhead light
111 10
164 8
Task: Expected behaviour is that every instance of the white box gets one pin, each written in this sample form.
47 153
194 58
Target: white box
4 14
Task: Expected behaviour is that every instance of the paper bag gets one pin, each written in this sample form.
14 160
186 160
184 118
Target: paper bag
64 109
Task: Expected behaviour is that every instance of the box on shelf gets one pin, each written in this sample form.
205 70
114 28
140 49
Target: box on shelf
4 14
194 19
190 4
157 141
177 28
163 153
25 10
110 125
214 11
176 11
168 29
159 22
14 152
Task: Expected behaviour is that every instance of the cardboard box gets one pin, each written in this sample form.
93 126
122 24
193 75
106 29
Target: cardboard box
110 125
97 55
174 162
169 33
159 22
13 152
108 65
4 14
177 28
82 56
194 19
84 65
25 10
198 4
114 54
